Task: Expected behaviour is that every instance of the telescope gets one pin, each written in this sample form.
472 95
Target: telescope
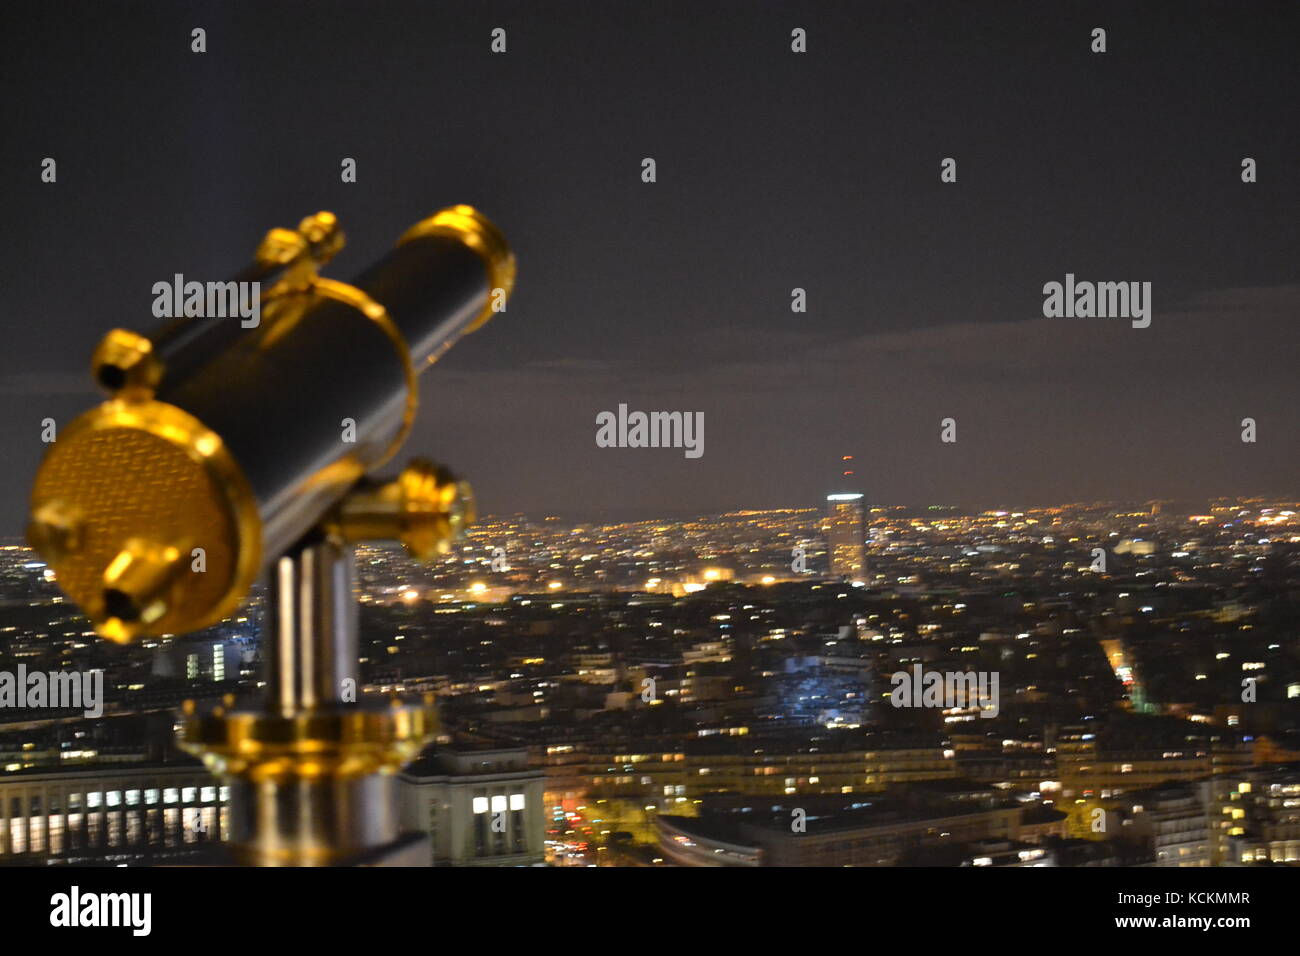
224 452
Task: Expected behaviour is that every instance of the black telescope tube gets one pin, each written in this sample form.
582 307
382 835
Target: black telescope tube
434 288
185 342
278 394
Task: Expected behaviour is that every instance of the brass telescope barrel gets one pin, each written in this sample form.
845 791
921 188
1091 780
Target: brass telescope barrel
230 443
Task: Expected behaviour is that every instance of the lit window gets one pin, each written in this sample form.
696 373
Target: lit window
480 805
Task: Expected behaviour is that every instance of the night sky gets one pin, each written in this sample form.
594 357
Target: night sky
775 170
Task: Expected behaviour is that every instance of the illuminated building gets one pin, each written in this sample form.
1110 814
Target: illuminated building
1172 820
212 660
122 814
700 580
1254 816
833 762
478 807
845 536
1007 853
817 690
686 841
1124 757
763 834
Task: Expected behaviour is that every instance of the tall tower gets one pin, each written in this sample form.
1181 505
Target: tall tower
845 526
845 535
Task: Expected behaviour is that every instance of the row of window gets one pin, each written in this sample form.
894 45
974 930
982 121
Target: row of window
115 798
499 824
68 833
498 803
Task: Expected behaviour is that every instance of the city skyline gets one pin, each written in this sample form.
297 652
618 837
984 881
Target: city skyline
669 693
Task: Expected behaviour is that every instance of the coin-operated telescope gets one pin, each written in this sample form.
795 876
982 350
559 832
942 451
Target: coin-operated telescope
225 451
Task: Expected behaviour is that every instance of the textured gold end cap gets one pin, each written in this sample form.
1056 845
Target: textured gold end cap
147 521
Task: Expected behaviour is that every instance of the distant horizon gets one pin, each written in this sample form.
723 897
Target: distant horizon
638 516
633 515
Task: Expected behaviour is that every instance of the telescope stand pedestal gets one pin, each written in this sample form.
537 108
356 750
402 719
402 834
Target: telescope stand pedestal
312 773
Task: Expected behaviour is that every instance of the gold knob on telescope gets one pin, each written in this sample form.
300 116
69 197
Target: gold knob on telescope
56 529
425 507
137 584
317 240
125 366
